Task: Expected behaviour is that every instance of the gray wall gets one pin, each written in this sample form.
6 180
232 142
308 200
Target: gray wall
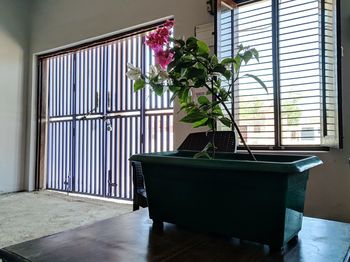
328 194
57 23
14 36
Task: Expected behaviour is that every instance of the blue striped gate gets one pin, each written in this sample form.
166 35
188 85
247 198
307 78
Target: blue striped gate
96 121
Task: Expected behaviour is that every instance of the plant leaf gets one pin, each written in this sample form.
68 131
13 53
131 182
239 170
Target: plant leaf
199 123
217 110
238 63
202 154
203 48
257 79
193 72
227 74
203 100
255 54
193 117
139 84
157 88
214 60
247 56
191 42
226 121
219 68
228 61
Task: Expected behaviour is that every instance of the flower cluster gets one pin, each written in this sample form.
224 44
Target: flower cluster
158 41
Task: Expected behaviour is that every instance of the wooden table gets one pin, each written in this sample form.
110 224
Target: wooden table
132 237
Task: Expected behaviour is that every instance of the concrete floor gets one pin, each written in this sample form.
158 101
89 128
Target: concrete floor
26 216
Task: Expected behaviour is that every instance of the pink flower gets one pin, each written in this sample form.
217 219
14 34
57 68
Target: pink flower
157 39
169 23
164 58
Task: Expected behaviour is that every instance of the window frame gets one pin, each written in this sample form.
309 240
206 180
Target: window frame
276 85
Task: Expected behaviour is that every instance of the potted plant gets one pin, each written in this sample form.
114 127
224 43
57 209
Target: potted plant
249 196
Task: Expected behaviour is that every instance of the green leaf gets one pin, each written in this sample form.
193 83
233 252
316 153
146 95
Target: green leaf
218 82
217 110
203 100
226 121
185 94
139 84
174 88
199 83
219 68
228 61
203 48
187 106
247 56
199 123
191 42
238 63
180 42
173 64
258 80
255 53
214 60
211 123
202 154
157 88
227 74
208 146
193 72
193 117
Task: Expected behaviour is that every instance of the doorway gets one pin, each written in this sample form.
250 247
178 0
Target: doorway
92 121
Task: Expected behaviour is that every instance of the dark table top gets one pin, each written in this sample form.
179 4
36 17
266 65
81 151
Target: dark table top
132 237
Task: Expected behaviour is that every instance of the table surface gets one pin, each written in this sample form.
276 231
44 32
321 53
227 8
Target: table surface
131 237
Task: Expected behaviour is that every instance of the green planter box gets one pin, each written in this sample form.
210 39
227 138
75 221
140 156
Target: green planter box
260 201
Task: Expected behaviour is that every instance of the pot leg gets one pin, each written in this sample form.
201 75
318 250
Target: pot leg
294 240
276 249
157 226
157 223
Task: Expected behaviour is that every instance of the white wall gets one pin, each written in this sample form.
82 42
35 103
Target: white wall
61 22
14 36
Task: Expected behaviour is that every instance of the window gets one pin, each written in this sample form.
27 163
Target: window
298 46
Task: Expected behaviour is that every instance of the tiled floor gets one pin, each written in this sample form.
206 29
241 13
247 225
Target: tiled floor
25 216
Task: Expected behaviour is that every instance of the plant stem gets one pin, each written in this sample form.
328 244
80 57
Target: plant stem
214 127
233 121
226 109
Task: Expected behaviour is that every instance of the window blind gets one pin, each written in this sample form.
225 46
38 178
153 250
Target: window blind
297 45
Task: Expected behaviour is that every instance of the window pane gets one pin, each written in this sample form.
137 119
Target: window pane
253 107
301 88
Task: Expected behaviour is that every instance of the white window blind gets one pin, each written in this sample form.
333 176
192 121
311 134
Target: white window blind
297 45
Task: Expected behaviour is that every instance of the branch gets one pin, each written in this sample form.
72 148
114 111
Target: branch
232 119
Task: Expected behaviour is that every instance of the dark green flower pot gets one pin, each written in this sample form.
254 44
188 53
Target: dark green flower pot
260 201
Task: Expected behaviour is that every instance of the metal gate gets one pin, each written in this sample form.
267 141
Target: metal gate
96 121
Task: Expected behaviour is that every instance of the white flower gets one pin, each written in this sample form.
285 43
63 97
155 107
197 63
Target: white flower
158 71
153 71
134 73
